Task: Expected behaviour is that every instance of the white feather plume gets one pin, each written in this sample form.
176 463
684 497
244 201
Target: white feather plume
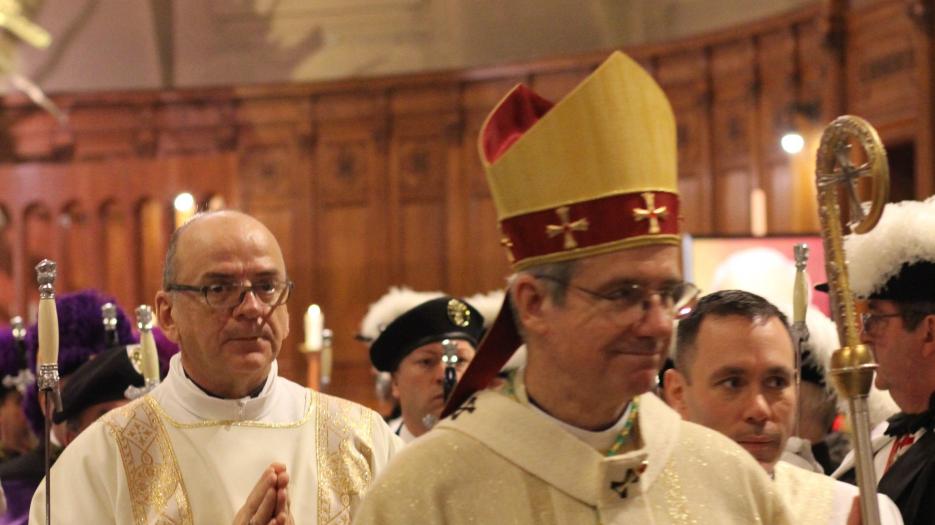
903 235
488 304
397 301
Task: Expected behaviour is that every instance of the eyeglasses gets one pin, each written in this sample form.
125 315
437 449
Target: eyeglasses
227 295
677 299
872 323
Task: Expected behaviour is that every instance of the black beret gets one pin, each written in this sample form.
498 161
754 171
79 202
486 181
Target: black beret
104 378
914 282
429 322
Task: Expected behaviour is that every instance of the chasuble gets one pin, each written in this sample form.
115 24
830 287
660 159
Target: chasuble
180 456
495 460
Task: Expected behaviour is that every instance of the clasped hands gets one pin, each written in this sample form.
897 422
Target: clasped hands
268 502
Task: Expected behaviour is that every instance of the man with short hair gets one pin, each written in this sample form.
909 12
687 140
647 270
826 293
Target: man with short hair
411 349
586 197
192 450
735 373
892 267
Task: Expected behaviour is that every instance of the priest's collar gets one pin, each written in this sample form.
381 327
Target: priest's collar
204 406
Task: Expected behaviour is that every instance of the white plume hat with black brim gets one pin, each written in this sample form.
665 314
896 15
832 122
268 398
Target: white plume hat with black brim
896 259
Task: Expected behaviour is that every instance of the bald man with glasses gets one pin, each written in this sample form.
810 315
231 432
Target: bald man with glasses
224 439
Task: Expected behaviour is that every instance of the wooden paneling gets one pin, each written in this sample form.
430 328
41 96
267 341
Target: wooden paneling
734 115
684 77
881 67
374 183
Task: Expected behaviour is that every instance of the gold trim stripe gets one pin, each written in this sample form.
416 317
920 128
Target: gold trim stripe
154 481
309 401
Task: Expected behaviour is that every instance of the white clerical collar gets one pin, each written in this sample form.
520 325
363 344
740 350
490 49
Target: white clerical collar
600 440
199 406
405 434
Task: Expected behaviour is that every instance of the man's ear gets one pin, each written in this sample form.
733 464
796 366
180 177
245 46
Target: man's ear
928 336
673 387
529 296
164 316
394 385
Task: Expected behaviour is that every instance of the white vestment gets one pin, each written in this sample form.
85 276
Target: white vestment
181 456
496 460
817 499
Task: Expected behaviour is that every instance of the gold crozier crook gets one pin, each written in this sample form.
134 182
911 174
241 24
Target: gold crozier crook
852 367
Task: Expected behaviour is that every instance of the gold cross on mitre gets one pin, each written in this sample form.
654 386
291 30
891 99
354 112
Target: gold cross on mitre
566 227
508 244
651 212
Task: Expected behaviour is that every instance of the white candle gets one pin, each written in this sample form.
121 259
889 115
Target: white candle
314 325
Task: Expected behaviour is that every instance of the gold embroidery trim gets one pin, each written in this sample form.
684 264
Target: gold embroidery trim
239 422
344 446
157 490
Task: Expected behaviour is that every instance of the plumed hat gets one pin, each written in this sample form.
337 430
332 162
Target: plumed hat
896 259
432 321
394 303
593 174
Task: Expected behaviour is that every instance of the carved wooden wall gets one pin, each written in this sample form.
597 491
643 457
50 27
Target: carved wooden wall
374 183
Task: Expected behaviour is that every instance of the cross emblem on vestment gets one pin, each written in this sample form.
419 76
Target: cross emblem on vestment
651 212
566 227
468 406
632 476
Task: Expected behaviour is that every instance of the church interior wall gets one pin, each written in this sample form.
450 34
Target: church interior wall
374 181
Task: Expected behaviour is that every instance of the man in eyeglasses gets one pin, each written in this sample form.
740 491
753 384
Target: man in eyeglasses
893 268
735 373
223 439
586 197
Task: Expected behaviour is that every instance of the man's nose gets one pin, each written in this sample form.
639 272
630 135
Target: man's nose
757 409
250 306
657 319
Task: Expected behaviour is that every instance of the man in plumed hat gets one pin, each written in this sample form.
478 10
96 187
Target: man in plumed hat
893 268
81 336
586 198
412 349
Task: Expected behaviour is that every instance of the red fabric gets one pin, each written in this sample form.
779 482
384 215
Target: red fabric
609 219
518 112
493 352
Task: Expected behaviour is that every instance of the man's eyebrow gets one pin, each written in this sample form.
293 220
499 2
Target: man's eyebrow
780 370
728 370
218 276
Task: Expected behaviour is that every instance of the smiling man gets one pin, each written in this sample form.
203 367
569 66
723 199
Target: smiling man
587 201
735 373
224 439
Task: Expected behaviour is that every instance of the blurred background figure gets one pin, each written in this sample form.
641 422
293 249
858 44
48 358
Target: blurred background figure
82 336
410 348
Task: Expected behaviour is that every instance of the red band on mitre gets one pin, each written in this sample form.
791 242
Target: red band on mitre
591 223
515 114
